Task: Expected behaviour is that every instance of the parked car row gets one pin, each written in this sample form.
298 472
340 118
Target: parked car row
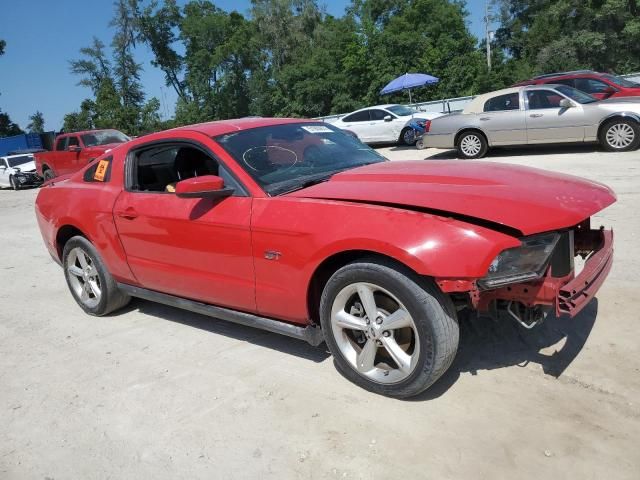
537 114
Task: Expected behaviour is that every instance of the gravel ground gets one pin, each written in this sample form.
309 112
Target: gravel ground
155 392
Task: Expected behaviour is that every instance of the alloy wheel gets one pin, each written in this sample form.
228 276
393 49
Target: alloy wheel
83 277
620 135
375 333
409 136
471 145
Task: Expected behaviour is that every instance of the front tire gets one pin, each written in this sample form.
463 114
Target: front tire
48 174
472 144
390 331
91 284
408 137
620 135
13 182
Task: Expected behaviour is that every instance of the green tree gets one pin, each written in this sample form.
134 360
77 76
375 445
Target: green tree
7 127
94 67
82 120
37 123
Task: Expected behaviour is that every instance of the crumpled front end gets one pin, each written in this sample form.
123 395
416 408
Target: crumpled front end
558 287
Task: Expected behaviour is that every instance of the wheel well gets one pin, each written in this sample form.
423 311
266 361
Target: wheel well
616 117
465 130
328 267
64 235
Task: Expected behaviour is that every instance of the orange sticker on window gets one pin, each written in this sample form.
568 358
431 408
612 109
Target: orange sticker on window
101 170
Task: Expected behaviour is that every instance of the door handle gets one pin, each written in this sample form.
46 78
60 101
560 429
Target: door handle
484 119
128 213
536 115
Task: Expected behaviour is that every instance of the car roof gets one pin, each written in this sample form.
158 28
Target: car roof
83 132
220 127
477 104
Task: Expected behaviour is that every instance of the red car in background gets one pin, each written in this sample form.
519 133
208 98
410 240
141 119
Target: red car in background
598 85
72 151
295 227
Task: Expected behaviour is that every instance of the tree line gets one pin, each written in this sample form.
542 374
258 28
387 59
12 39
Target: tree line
291 58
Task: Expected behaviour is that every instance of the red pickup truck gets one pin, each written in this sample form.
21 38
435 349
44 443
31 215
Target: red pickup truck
72 151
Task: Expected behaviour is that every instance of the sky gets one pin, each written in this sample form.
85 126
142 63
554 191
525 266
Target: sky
43 35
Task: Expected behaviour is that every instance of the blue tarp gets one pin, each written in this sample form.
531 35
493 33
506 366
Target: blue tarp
20 142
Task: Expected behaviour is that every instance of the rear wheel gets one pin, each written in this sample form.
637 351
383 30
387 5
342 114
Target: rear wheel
48 174
14 183
620 135
91 284
390 331
472 144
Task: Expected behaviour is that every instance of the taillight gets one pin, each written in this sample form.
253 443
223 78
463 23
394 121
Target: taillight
427 126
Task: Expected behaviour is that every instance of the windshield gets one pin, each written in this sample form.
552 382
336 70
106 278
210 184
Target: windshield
103 137
401 110
283 158
621 82
16 161
576 95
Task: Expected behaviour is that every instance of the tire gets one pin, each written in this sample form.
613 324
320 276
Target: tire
420 144
472 144
407 137
48 174
94 289
620 135
13 183
426 329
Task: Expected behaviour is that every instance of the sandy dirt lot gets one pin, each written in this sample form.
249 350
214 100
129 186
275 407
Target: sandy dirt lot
155 392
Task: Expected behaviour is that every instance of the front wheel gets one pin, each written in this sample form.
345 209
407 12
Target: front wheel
14 183
408 136
620 135
91 284
389 330
472 145
48 174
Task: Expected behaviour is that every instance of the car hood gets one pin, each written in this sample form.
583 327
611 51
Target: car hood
522 198
624 100
27 167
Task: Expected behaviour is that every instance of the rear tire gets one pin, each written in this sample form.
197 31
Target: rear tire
472 144
620 135
88 279
48 174
411 342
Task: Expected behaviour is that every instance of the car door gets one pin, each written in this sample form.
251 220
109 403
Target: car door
358 123
196 248
384 130
547 122
4 172
503 120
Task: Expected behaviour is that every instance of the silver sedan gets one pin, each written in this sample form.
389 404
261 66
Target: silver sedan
537 114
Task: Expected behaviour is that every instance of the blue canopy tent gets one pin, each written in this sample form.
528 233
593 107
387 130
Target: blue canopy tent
407 82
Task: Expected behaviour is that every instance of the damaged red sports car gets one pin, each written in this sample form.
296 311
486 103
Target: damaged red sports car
294 227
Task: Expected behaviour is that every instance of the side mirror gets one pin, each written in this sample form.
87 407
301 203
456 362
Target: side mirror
388 118
609 91
566 103
207 186
73 148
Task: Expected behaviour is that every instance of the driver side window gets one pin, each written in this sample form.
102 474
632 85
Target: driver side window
159 168
541 99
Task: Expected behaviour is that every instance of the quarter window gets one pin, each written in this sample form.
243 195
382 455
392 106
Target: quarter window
362 116
541 99
510 101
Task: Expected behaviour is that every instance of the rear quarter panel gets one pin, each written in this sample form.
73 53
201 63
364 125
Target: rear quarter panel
443 130
87 206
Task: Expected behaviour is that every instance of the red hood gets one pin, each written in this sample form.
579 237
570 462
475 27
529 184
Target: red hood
527 199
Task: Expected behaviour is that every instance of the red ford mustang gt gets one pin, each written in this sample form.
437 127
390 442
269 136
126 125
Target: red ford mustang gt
297 228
